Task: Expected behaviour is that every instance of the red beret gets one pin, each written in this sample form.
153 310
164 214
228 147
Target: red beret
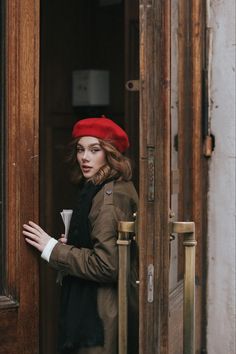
102 128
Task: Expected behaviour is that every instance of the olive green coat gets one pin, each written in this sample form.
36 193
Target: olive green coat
114 202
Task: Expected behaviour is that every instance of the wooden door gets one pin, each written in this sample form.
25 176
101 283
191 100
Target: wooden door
173 171
154 172
19 300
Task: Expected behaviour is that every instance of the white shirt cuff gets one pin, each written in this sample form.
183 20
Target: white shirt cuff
48 249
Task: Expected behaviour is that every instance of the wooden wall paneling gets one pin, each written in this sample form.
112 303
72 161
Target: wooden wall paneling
19 326
154 149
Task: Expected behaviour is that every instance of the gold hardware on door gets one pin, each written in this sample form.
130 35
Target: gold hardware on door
125 230
188 230
132 85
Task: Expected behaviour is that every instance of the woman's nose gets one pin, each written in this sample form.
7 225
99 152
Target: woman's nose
85 156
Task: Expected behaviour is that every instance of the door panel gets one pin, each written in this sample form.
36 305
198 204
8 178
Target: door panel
188 48
154 173
19 316
173 171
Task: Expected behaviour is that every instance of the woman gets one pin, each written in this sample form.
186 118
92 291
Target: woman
88 260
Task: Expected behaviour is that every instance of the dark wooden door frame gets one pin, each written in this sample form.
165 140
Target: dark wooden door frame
19 303
193 164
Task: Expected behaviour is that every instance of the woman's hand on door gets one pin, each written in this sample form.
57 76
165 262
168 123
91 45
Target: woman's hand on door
35 236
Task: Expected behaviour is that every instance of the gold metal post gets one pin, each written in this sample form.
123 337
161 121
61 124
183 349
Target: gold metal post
125 228
188 229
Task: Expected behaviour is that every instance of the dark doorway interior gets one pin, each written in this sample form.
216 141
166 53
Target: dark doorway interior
76 35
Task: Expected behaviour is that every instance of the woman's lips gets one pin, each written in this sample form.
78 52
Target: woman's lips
86 168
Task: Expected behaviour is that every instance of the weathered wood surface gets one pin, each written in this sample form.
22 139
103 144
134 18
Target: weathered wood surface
19 316
154 171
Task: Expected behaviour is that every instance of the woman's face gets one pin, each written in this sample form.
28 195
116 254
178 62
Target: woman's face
90 156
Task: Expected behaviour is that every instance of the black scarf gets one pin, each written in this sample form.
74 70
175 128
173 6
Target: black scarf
80 324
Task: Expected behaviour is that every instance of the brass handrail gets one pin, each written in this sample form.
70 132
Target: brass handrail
188 230
125 229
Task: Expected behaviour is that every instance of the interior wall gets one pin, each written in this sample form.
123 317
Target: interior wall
107 52
221 198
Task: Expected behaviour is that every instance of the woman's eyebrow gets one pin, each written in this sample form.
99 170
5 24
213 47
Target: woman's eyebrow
90 145
95 144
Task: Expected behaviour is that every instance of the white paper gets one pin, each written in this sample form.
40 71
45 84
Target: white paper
66 217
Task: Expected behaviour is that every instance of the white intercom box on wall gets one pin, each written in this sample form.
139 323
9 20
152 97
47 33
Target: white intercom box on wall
90 88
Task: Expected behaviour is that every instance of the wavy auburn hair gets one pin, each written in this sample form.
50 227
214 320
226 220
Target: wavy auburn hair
118 166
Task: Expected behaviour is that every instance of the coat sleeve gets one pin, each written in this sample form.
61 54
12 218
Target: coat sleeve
100 263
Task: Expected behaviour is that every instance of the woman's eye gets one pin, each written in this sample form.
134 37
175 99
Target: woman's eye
79 150
94 150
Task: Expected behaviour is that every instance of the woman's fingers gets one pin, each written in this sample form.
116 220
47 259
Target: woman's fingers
33 243
35 235
31 230
31 235
36 226
63 240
